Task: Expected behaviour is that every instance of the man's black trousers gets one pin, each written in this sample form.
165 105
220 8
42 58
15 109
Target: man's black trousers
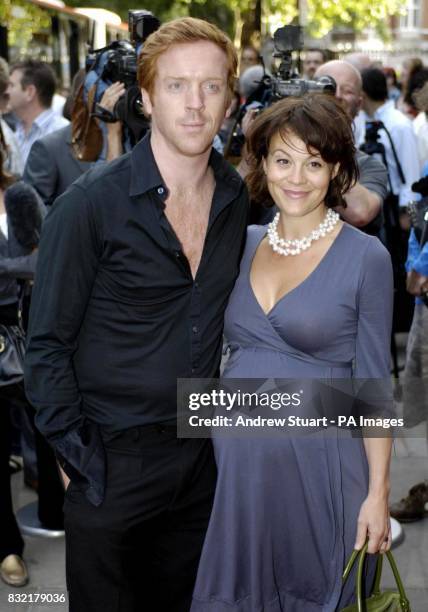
11 542
139 550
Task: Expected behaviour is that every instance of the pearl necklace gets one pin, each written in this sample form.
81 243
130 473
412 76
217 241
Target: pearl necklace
294 247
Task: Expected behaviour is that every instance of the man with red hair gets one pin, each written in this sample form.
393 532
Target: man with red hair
137 261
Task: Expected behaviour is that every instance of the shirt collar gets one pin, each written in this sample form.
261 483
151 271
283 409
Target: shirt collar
383 109
44 118
38 124
145 174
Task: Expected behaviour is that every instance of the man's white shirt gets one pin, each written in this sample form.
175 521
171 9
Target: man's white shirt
406 147
48 121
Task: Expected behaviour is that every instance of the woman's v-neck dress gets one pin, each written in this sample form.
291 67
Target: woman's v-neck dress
285 510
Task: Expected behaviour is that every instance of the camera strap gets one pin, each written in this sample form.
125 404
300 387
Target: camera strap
394 152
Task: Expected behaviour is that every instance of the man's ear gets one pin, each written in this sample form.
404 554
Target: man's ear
30 92
147 103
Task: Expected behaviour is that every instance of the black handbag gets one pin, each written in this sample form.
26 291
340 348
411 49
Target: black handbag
12 352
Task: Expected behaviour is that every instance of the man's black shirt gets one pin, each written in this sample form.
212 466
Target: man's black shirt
116 316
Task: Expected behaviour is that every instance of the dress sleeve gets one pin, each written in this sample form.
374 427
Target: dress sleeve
375 308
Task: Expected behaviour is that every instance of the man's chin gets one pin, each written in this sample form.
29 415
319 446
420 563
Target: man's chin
196 147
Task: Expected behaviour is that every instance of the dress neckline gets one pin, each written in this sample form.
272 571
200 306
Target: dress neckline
303 282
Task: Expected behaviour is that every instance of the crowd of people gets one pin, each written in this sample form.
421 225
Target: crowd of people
137 265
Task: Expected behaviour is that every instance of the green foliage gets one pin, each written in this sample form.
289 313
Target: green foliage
324 15
22 19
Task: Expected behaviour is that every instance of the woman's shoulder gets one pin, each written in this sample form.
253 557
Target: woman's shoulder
369 258
255 233
256 230
363 244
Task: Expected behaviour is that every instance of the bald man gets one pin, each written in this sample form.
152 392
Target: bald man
359 60
365 199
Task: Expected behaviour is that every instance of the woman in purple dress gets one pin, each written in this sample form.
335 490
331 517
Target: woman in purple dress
313 300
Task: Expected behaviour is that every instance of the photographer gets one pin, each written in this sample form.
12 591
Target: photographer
377 107
364 200
52 164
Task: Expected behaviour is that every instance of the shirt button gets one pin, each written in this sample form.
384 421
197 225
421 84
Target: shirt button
161 190
177 254
196 285
195 329
193 370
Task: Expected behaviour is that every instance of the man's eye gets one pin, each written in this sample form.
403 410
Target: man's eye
213 87
175 86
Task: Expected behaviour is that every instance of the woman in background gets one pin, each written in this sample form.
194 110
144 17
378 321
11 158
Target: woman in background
20 222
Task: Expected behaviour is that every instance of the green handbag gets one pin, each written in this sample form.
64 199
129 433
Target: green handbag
388 601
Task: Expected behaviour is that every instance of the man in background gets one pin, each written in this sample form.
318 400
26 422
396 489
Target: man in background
364 200
396 135
311 62
31 89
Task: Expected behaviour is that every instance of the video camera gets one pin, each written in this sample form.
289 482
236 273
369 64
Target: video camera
286 40
118 62
284 83
371 145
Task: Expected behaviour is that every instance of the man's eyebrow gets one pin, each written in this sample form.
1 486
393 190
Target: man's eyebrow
213 78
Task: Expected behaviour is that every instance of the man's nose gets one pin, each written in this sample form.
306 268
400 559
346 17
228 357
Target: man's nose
338 92
195 98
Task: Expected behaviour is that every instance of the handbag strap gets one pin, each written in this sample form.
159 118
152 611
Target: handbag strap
404 602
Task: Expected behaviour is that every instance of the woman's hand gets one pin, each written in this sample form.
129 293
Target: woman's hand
374 523
112 95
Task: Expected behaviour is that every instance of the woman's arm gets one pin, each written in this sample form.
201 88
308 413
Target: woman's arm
22 267
373 519
372 368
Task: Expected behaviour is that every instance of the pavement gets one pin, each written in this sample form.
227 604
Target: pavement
46 566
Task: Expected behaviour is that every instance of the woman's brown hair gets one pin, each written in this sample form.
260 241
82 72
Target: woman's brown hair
320 121
5 178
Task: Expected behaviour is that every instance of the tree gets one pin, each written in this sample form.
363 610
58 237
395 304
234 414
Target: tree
238 16
324 15
22 19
